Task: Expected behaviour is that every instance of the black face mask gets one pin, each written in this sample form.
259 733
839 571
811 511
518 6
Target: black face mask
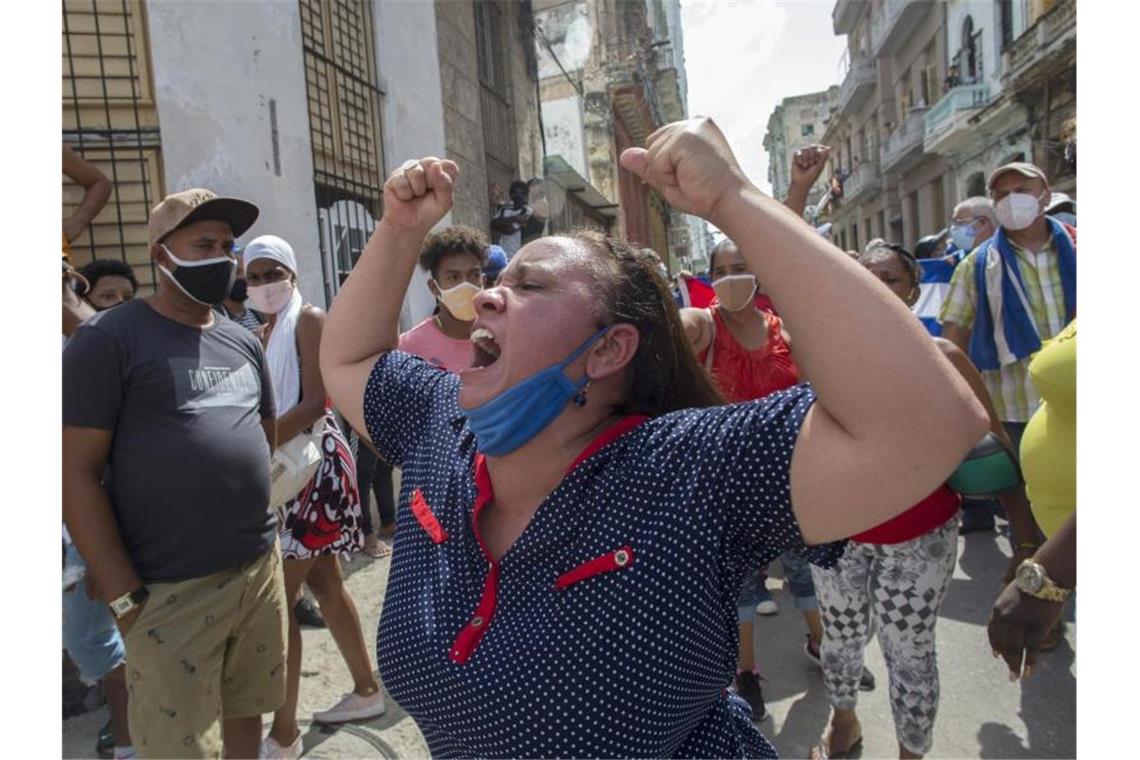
207 282
239 292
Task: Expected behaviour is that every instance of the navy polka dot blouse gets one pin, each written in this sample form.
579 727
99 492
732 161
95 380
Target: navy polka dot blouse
609 628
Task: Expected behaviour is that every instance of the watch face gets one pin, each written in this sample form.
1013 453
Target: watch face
122 605
1029 578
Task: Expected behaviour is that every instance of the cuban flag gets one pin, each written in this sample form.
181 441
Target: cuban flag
933 287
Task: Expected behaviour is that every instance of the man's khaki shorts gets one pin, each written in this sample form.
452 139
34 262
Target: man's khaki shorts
204 650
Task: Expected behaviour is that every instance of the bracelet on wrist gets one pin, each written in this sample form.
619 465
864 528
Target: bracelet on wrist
1028 545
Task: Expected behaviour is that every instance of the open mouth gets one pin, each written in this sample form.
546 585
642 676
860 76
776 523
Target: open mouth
487 351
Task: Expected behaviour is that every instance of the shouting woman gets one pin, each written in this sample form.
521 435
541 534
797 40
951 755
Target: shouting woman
581 511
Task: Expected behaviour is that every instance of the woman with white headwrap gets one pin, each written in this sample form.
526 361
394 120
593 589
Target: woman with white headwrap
323 520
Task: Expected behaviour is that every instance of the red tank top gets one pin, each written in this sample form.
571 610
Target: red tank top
745 375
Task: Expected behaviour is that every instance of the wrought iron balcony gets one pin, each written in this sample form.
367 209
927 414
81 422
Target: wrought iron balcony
1053 31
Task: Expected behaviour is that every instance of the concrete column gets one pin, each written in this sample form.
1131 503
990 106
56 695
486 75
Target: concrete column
407 59
230 94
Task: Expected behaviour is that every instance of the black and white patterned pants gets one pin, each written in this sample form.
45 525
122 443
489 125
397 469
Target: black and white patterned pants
899 589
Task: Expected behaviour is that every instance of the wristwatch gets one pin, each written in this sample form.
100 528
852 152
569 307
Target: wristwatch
1032 579
127 603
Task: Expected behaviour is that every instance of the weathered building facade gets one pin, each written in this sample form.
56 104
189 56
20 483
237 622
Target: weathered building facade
303 107
935 96
797 121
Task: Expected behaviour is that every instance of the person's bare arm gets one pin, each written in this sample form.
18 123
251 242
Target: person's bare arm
958 335
312 406
887 400
363 321
75 309
1019 623
96 191
698 328
807 164
88 515
1026 535
269 425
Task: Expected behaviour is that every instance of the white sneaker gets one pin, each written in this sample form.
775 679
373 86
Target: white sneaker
767 607
271 750
352 707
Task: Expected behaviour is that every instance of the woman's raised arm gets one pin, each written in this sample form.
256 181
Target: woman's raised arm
892 420
363 321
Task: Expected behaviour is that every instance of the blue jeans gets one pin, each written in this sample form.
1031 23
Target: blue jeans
798 572
90 635
751 593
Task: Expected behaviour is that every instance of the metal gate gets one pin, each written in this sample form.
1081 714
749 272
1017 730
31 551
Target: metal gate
344 99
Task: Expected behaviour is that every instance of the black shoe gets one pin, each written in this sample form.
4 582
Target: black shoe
105 744
747 685
308 615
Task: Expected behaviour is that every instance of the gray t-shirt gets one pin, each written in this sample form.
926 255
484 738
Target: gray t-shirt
188 471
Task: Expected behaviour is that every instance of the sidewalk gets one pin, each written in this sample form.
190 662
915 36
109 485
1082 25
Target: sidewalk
982 714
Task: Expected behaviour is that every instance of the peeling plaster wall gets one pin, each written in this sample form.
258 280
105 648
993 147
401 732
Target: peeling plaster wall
408 63
216 69
562 121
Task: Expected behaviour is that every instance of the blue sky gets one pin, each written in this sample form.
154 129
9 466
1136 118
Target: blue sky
743 58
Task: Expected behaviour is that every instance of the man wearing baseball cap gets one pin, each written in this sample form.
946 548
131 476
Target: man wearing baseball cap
168 425
1012 293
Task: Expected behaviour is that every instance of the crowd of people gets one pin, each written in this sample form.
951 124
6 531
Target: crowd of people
598 465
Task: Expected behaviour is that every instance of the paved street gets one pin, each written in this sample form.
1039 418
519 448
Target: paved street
982 714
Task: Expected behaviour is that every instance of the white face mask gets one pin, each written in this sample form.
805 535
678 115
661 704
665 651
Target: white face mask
460 300
735 291
271 298
1017 211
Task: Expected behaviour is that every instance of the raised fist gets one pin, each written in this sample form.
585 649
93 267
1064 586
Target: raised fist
420 193
808 164
690 164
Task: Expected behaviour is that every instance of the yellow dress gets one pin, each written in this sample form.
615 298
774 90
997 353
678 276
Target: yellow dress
1049 445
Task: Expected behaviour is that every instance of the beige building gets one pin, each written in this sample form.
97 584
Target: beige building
303 107
935 95
797 121
490 106
611 72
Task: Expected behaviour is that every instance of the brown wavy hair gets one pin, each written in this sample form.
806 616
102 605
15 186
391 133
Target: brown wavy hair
664 375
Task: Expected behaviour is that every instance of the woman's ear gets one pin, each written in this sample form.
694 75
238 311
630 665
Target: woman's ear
912 297
613 352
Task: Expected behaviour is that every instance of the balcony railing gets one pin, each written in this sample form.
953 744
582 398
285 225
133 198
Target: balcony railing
863 180
843 15
887 17
1060 22
909 135
859 80
967 97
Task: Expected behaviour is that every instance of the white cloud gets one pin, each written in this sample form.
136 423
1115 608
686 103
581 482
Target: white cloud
743 58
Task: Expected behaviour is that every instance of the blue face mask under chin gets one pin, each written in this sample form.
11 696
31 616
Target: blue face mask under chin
521 412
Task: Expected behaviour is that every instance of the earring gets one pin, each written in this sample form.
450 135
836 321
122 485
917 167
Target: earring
580 396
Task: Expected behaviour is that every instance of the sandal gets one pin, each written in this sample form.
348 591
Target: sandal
822 752
376 550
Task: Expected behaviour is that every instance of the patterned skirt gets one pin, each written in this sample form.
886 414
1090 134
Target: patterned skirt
324 518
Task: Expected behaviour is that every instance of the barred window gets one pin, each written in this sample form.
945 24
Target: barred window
109 118
344 98
499 139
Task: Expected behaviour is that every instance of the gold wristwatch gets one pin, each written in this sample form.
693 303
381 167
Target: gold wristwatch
1032 579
